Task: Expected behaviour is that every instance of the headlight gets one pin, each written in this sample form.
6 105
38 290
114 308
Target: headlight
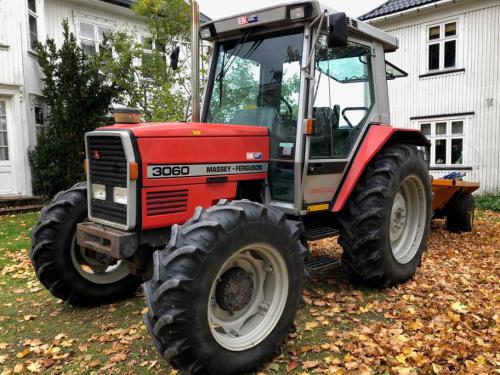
99 192
120 195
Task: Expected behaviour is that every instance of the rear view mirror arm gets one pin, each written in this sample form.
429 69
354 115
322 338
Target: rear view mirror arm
307 67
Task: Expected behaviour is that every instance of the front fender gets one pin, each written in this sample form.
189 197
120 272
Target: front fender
376 138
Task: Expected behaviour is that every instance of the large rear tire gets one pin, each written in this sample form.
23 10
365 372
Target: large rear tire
386 222
226 289
67 271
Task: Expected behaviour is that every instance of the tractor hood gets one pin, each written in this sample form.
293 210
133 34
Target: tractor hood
185 129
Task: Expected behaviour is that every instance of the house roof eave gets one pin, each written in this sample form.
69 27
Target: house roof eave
406 12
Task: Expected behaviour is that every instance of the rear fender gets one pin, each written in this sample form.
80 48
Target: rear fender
376 138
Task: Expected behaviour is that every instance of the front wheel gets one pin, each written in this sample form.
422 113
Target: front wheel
226 289
76 275
386 222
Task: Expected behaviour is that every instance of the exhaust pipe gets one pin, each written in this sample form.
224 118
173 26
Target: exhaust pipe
195 61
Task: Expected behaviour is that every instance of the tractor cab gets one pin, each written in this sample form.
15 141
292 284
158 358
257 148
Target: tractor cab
314 77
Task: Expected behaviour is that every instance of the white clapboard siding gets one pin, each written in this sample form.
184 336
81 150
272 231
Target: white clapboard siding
469 91
20 75
11 42
56 11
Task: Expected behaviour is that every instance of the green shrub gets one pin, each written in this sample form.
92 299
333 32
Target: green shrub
488 202
78 96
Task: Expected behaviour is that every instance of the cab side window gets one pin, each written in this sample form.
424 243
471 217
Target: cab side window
343 98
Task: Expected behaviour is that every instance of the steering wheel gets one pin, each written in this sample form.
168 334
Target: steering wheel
261 103
347 109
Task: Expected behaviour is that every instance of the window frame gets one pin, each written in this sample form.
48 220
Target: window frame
448 137
30 13
96 40
141 36
144 35
39 102
8 146
363 125
441 42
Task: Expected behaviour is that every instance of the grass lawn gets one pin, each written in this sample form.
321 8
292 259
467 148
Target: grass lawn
445 320
488 202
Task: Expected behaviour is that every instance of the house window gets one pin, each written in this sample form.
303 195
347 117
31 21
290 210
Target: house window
148 46
40 119
38 114
4 144
91 37
447 139
442 42
32 24
147 57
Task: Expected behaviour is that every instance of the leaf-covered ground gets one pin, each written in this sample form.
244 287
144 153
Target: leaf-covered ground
444 321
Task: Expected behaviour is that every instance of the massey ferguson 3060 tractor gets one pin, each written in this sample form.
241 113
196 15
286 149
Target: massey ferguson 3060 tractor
293 143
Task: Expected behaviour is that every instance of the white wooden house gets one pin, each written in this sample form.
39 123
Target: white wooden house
22 109
451 52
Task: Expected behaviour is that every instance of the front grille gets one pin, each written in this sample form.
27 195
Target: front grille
107 161
166 202
108 166
109 211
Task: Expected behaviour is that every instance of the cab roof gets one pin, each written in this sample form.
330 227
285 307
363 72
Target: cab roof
278 16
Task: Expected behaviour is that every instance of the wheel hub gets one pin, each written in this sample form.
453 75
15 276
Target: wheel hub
96 268
408 218
398 216
234 290
248 297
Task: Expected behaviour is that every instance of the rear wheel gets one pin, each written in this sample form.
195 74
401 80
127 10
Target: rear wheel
76 275
226 289
386 222
460 216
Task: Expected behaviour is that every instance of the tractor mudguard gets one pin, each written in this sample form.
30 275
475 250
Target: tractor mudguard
376 138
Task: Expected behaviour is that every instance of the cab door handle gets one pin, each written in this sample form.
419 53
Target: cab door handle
315 168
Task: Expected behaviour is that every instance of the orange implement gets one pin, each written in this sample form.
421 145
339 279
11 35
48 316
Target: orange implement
444 190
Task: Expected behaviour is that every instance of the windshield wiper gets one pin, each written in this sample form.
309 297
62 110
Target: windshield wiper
232 57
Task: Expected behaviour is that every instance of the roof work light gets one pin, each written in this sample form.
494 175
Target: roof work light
297 13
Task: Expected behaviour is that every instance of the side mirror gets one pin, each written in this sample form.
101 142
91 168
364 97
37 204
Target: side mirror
337 30
174 58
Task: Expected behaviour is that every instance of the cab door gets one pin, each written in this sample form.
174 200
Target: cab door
342 103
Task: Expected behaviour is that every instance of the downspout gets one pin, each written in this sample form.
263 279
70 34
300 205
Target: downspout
195 61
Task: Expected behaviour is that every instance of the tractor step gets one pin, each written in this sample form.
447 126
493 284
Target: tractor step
321 264
316 234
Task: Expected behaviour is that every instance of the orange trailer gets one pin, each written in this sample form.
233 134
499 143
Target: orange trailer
453 200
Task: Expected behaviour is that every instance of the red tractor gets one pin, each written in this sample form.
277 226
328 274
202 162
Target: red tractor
294 145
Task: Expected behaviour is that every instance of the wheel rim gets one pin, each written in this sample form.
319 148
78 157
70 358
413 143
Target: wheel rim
248 297
94 271
408 218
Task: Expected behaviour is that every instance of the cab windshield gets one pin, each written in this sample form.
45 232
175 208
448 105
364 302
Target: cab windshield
257 82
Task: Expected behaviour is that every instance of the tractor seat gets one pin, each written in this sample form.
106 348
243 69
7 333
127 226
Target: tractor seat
326 123
327 118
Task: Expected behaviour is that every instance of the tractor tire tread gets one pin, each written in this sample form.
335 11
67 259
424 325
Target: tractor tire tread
176 268
361 219
460 216
44 252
